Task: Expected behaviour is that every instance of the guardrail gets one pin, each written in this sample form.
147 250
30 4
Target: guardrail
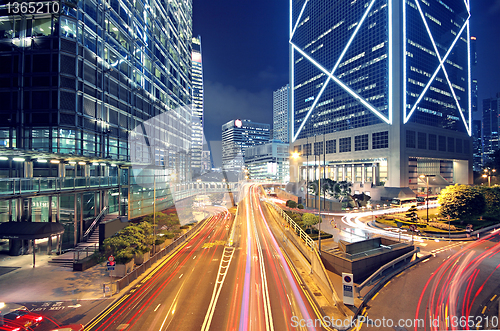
83 252
94 223
298 230
12 186
380 270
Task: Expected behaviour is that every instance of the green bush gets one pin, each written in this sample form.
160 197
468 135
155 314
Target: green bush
169 235
288 203
292 204
124 256
300 206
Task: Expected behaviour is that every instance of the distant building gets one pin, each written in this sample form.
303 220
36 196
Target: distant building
388 84
206 162
477 145
197 119
491 127
281 114
474 96
268 162
237 135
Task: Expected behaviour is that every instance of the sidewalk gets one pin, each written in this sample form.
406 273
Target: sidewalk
20 282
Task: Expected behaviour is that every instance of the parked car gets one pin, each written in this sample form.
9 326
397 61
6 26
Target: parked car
23 318
8 327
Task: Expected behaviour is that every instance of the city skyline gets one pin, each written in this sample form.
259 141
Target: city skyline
228 83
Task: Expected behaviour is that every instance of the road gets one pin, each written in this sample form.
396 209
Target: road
260 291
208 285
457 289
176 293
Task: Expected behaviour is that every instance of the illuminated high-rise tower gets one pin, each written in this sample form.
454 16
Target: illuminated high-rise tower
197 119
281 114
388 84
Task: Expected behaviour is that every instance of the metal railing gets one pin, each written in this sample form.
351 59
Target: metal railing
94 223
84 252
298 230
12 186
380 270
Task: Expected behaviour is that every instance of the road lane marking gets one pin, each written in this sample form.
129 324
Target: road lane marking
157 307
181 276
484 309
387 283
172 307
373 298
218 286
493 298
194 257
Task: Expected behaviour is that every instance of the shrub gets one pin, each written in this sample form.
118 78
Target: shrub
292 204
124 256
300 206
442 226
184 227
288 203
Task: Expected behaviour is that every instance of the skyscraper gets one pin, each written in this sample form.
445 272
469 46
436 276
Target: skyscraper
281 114
491 127
477 145
237 135
197 81
84 86
388 83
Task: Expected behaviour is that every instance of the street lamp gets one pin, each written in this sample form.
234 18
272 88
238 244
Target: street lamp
488 173
295 156
427 189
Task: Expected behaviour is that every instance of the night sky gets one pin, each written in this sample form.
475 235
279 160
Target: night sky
245 57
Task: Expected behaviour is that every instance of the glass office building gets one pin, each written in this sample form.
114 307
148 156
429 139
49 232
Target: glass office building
237 136
384 81
197 128
281 114
77 84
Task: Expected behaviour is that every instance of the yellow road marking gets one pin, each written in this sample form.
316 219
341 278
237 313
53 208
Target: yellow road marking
311 302
387 283
493 298
484 309
373 298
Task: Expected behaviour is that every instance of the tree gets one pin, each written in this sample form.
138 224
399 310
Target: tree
309 220
300 206
411 213
461 201
492 199
292 204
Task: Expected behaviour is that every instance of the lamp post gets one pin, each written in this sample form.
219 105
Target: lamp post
488 173
427 199
295 156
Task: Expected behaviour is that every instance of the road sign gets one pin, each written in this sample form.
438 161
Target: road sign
111 258
413 227
348 288
111 265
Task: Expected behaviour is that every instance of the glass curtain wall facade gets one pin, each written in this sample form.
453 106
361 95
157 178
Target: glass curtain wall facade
77 82
197 81
378 77
236 137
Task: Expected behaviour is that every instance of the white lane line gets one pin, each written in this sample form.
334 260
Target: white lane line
181 276
218 286
194 257
265 290
157 307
